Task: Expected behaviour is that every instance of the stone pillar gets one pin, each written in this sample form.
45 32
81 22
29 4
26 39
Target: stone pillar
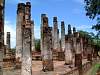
8 49
33 39
68 52
74 30
69 30
42 15
58 41
8 40
89 51
61 43
81 42
85 42
74 45
94 52
78 55
47 57
20 19
62 36
55 36
2 7
78 63
26 57
26 68
74 41
8 60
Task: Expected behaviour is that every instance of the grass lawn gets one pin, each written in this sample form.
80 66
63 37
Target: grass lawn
93 70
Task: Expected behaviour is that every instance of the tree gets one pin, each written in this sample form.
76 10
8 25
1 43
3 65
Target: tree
92 38
37 45
13 50
92 8
86 35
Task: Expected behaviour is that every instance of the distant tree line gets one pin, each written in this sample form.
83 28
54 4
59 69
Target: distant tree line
37 45
92 38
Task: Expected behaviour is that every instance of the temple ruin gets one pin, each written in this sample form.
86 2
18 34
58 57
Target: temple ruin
71 54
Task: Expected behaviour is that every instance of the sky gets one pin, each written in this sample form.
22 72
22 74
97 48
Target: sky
70 11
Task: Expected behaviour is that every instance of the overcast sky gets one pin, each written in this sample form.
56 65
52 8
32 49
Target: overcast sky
71 11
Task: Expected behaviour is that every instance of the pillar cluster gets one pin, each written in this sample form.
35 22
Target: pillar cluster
24 38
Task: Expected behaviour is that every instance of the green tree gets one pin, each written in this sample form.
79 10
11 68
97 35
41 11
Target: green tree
87 35
37 45
13 50
92 8
92 38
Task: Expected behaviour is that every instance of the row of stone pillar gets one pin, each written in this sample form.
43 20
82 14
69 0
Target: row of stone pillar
72 45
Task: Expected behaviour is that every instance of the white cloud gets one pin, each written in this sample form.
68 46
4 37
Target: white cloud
79 1
37 31
83 27
9 27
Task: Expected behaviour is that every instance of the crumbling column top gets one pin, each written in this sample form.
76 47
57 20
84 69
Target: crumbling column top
43 15
55 19
74 30
76 34
21 8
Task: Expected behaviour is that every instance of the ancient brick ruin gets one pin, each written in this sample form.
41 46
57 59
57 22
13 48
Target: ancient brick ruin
71 48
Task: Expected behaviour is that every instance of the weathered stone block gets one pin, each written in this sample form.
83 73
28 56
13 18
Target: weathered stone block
61 56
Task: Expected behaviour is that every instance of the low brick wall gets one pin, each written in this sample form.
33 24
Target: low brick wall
73 72
85 68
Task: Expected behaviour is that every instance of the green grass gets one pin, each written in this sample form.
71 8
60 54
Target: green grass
95 68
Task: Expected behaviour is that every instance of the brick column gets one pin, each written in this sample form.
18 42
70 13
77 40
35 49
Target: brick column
47 57
89 56
26 56
33 39
42 15
8 40
8 49
68 52
69 30
20 19
26 67
55 34
62 36
78 55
